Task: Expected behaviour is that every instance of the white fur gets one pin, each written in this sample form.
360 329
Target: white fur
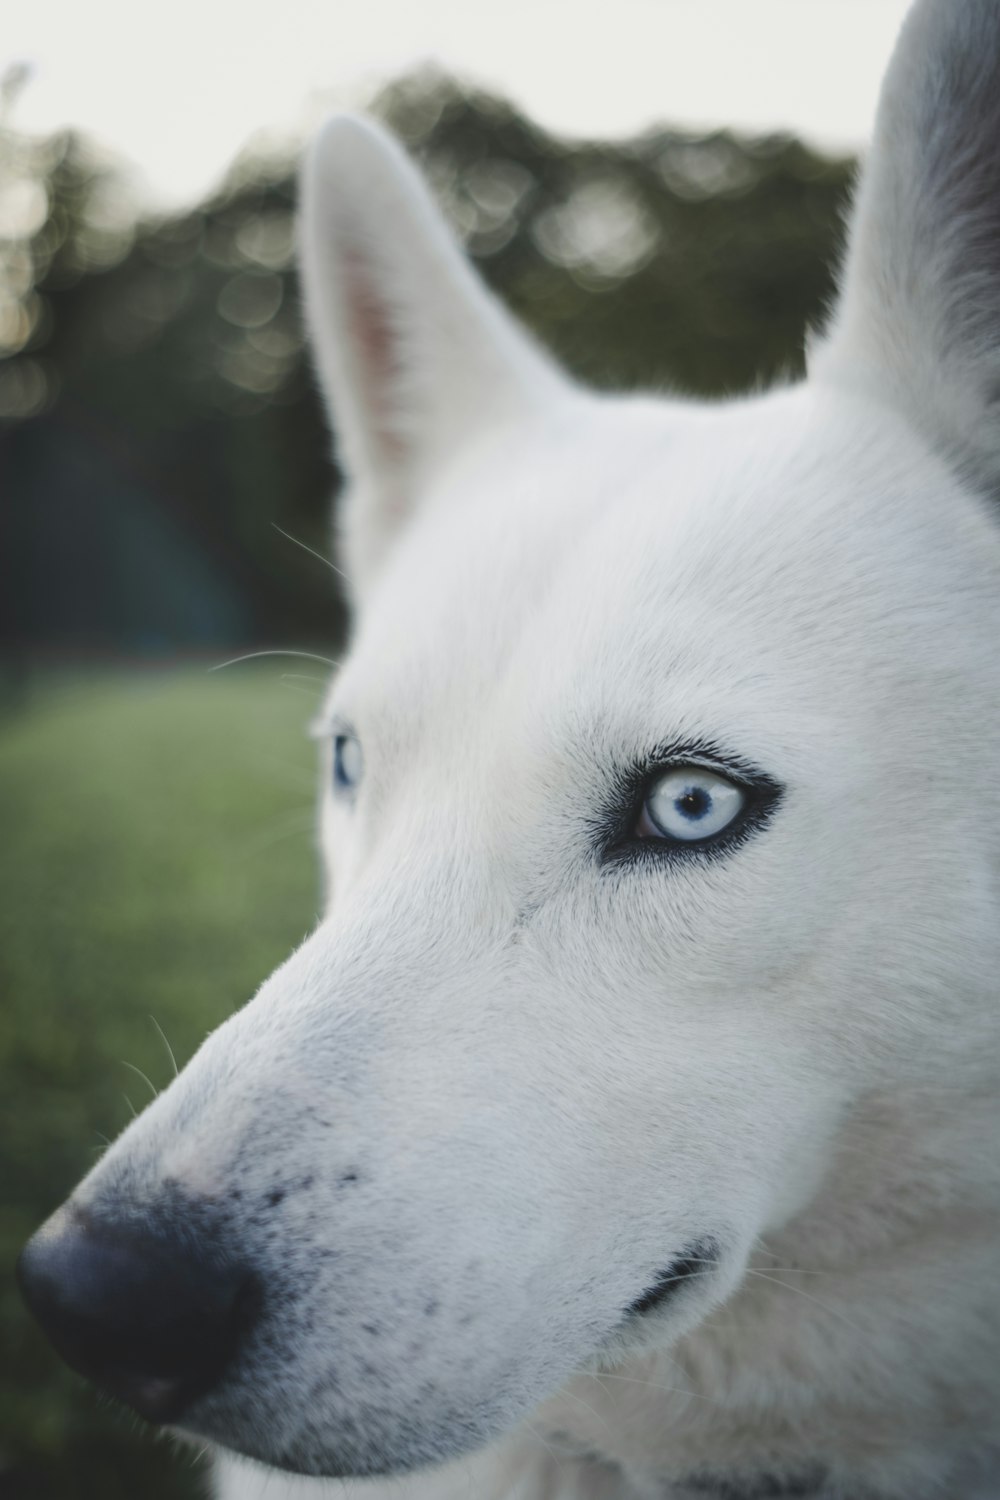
504 1085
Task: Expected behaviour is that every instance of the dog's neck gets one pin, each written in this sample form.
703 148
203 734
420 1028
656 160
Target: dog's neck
869 1314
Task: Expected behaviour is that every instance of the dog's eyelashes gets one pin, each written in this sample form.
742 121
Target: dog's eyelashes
348 763
689 804
692 799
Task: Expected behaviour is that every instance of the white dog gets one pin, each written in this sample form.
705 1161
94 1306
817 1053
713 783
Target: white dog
628 1127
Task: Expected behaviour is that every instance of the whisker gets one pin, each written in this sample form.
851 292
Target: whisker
253 655
834 1312
170 1050
775 1265
791 1270
140 1074
311 550
686 1275
293 824
598 1416
652 1385
294 687
540 1438
290 773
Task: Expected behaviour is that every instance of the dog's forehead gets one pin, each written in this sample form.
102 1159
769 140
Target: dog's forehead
650 541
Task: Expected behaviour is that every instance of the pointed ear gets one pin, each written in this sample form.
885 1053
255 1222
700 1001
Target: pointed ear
918 321
417 359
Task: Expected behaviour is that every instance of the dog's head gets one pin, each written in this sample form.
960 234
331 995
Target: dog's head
659 811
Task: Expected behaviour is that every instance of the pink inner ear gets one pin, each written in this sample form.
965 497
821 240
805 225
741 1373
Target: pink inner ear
376 343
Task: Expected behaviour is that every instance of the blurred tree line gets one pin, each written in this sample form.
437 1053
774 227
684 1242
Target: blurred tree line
157 411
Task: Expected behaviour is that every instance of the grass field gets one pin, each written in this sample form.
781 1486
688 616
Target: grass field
157 861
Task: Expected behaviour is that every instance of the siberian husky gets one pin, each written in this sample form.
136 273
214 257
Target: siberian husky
628 1127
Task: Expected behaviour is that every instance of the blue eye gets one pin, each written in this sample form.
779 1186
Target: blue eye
688 805
348 763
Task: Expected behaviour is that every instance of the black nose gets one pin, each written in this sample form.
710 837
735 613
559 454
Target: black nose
146 1318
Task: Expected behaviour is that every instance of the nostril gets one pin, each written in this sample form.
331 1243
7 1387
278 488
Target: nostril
145 1317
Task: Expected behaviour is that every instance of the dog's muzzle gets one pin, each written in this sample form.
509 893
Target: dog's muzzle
142 1314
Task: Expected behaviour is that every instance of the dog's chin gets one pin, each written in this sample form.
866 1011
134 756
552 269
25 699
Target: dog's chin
258 1414
320 1461
244 1422
310 1464
365 1450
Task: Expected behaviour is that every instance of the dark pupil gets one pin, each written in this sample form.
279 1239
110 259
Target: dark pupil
694 803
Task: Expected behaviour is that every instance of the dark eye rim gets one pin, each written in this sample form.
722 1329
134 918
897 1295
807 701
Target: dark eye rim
342 785
619 843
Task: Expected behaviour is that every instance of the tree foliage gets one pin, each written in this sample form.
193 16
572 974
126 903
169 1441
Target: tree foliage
160 410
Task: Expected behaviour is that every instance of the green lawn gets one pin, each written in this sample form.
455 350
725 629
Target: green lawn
157 861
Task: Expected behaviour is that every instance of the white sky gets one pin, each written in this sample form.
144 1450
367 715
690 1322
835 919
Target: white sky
178 87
